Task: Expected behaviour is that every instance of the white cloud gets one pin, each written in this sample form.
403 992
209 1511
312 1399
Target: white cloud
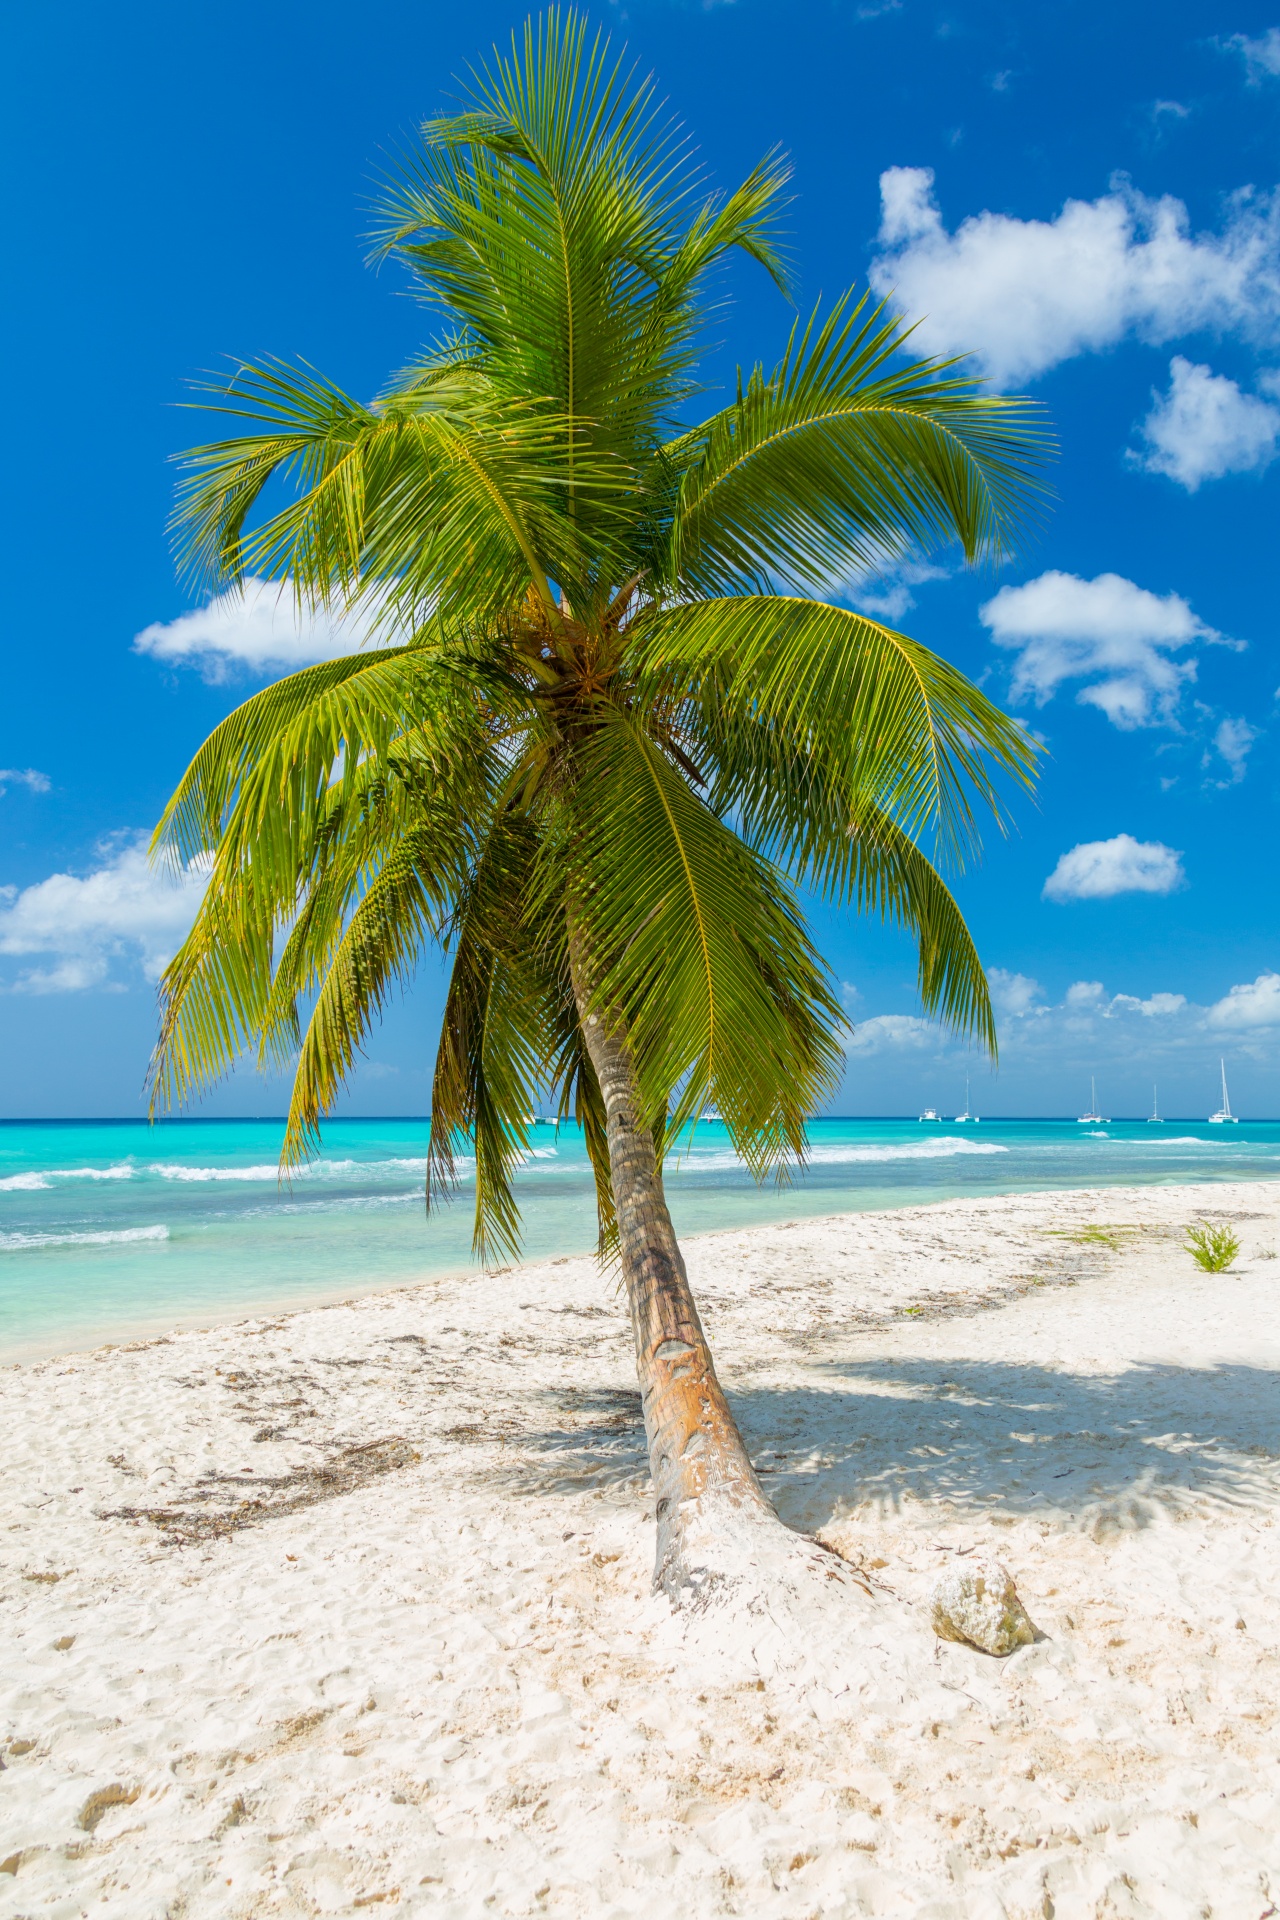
23 777
1023 295
897 1030
258 628
1261 56
125 908
887 595
1206 426
1255 1005
1100 869
1013 993
1128 1039
1233 740
1158 1006
1108 631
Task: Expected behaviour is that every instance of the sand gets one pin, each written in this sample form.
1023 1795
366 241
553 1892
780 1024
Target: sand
350 1610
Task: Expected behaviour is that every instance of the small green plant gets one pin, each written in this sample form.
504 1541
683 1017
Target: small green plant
1093 1236
1212 1248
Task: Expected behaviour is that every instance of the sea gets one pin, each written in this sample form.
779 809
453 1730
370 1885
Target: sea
112 1230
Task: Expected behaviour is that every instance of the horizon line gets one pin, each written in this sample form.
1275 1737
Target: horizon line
382 1119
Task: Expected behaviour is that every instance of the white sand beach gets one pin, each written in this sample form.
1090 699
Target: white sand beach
350 1610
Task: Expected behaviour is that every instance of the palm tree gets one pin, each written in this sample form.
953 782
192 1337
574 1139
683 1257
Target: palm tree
605 731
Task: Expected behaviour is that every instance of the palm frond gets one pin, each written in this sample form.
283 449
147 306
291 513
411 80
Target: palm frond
496 1038
446 499
696 943
303 796
762 676
840 460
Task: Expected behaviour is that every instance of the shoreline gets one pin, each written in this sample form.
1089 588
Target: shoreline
136 1331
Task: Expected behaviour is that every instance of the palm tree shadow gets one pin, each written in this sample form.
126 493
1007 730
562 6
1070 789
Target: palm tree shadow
1107 1451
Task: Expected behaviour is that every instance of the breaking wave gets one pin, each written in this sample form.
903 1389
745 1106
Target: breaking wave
843 1156
20 1242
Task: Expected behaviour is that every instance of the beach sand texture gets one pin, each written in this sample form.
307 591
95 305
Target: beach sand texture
350 1610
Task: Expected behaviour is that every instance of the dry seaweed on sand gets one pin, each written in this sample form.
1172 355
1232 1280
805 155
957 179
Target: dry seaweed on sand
223 1510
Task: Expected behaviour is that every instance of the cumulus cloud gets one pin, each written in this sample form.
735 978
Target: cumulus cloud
1013 993
1261 56
1108 631
1157 1006
1100 869
23 777
888 595
1233 740
1206 426
257 628
1024 295
898 1031
1128 1039
79 923
1248 1007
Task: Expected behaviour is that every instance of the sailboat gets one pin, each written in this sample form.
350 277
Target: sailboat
1224 1116
966 1118
1155 1118
1093 1118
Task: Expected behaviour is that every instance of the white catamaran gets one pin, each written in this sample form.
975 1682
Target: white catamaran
1093 1118
966 1118
1155 1118
1224 1116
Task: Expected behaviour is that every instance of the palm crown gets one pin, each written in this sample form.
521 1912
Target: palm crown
605 732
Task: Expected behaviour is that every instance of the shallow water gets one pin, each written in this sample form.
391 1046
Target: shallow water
110 1229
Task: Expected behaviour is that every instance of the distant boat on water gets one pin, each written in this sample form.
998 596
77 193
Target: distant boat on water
1155 1118
1093 1118
1224 1116
966 1118
931 1113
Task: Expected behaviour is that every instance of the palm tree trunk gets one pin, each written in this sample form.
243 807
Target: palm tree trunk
706 1492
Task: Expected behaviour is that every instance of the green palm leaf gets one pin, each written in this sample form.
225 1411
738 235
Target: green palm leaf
845 458
700 949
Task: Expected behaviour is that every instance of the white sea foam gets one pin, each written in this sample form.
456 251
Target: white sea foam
941 1149
38 1182
172 1170
350 1203
19 1242
309 1170
122 1171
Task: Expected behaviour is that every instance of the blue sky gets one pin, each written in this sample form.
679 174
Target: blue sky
1084 196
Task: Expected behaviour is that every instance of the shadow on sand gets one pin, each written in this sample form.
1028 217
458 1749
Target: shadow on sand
1106 1451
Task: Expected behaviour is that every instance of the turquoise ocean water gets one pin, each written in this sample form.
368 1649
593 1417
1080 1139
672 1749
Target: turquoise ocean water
113 1229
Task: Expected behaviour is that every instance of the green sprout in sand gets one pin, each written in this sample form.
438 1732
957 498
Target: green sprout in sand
1212 1248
